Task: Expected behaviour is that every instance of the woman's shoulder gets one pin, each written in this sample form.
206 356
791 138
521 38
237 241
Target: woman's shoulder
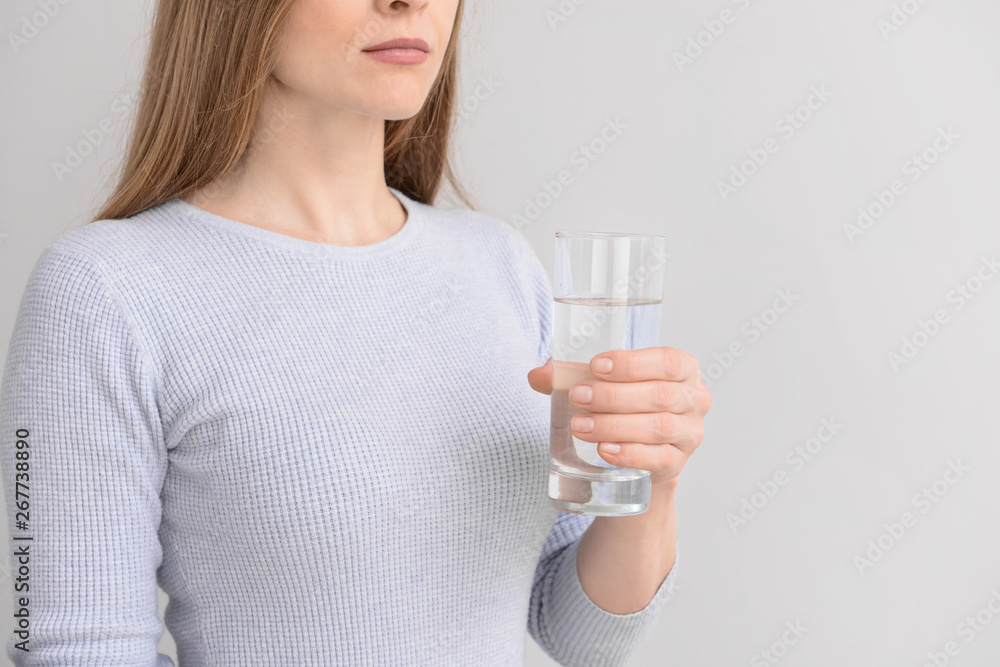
135 239
105 258
498 249
486 229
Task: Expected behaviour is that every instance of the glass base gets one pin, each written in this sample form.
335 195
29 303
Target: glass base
619 493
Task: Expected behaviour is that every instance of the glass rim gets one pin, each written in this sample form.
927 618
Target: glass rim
592 235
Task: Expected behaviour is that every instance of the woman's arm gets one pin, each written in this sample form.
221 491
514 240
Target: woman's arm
601 581
623 560
83 463
564 619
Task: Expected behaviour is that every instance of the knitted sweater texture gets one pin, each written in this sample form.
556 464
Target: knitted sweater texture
324 455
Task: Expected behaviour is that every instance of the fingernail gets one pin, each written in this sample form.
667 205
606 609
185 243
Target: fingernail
602 365
581 393
610 447
582 424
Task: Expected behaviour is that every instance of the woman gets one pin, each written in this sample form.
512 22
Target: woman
274 379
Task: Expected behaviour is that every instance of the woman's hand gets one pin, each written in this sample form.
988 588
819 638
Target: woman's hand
647 408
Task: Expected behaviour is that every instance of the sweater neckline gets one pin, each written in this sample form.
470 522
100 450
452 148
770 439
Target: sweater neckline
414 221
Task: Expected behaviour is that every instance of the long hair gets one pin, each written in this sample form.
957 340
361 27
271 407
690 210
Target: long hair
200 92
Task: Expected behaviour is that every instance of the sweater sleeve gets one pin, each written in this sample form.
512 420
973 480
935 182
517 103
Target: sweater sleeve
568 626
566 623
535 293
83 460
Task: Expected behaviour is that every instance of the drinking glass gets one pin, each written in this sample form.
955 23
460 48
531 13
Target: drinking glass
608 291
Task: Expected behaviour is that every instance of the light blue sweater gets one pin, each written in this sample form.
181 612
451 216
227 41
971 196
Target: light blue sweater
324 455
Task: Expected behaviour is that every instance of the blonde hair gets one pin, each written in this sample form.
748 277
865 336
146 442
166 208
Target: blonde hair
201 89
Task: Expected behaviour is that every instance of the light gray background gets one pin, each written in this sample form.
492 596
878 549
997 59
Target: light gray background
554 88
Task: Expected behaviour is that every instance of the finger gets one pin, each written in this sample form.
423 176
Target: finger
650 428
650 363
648 396
540 378
641 456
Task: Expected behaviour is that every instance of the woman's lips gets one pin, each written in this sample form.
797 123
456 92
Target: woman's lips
399 56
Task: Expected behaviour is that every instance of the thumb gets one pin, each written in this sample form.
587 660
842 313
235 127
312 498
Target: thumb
540 378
